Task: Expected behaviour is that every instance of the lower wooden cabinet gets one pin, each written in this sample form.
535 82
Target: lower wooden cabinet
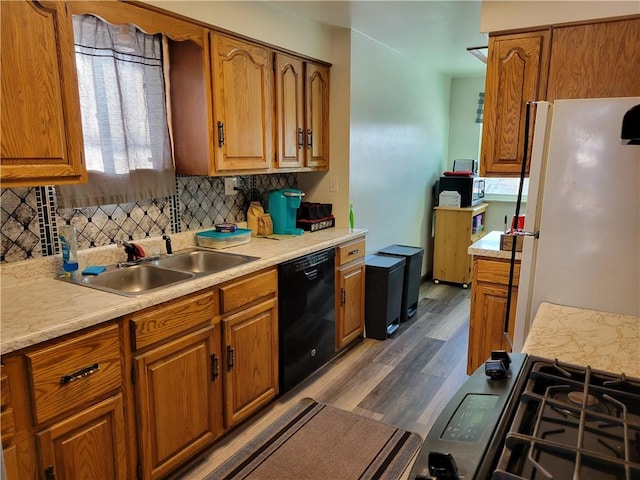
350 291
63 408
141 396
489 290
250 360
175 381
89 444
178 400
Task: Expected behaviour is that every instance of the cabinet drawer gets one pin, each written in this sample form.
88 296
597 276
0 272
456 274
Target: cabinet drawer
247 290
164 321
496 271
71 372
7 418
349 252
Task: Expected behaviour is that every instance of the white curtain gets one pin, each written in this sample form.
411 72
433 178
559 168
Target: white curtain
124 118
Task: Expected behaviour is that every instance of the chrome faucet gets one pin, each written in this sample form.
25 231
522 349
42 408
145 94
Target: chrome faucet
167 242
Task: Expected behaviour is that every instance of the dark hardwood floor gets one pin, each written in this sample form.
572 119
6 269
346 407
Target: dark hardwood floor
403 381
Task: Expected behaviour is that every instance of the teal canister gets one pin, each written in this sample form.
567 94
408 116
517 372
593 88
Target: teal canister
283 208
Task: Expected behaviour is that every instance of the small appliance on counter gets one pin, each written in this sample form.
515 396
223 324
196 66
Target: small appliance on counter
283 208
313 216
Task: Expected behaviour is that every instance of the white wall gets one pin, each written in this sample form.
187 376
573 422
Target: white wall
497 15
464 132
258 20
399 125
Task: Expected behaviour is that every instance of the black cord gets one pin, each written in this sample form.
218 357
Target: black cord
512 262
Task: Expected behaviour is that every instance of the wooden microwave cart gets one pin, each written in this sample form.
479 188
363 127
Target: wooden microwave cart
454 233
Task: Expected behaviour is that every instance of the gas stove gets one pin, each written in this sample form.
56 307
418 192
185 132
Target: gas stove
540 419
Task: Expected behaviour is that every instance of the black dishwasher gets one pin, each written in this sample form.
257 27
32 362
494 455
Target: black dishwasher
307 323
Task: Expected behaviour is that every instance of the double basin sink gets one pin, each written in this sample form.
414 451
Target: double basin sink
149 275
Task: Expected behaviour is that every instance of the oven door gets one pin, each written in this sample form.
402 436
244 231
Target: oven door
467 436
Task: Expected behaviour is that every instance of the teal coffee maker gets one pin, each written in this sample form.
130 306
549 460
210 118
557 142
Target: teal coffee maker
283 208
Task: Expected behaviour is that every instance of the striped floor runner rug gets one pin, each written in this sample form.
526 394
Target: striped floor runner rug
313 441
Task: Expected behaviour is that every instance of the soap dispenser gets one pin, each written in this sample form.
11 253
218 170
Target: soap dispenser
69 248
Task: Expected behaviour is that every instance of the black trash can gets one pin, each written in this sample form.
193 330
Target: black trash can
411 288
383 295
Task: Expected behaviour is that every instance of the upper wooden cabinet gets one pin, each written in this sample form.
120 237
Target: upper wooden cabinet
302 113
317 116
243 104
290 131
585 60
41 141
516 74
595 60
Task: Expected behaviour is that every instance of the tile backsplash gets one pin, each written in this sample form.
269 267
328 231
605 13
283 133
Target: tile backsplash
29 217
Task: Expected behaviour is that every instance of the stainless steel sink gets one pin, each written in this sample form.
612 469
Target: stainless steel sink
135 280
154 274
203 261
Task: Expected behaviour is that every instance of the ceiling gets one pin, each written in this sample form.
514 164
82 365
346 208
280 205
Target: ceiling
433 32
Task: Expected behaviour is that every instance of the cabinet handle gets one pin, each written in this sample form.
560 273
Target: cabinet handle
343 297
309 138
85 372
229 358
49 473
215 367
353 252
220 134
300 138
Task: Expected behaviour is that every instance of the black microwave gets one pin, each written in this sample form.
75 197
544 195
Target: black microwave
471 189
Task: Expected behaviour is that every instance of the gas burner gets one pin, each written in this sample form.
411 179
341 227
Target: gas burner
578 398
593 403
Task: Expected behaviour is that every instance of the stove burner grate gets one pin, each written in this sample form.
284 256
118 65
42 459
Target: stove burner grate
570 424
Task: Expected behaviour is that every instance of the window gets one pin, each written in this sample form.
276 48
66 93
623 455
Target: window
505 186
124 116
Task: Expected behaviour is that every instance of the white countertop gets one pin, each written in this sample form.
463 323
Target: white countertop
489 246
605 341
36 307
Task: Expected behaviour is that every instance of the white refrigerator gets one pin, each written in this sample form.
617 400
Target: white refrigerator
584 200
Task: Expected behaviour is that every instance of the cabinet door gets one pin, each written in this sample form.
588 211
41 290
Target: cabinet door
41 141
317 116
516 74
595 60
243 104
350 303
486 324
488 308
90 444
289 111
178 400
251 360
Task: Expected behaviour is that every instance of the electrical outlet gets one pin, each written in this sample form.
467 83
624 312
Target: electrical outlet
229 185
333 184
